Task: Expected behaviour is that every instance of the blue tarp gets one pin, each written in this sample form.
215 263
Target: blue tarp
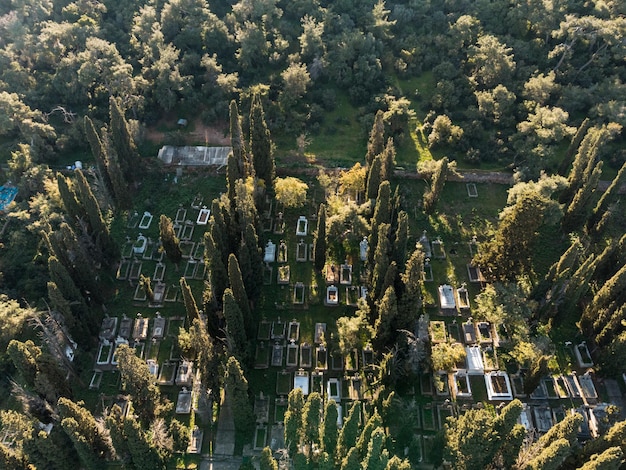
7 194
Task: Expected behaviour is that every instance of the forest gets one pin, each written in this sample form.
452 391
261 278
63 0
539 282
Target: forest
414 255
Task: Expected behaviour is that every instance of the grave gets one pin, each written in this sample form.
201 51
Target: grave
282 252
126 326
122 270
463 298
428 417
284 383
292 355
301 381
133 220
471 190
317 382
517 384
264 331
437 331
462 388
525 418
294 331
159 272
474 359
262 408
301 252
306 356
197 202
260 437
352 295
105 351
320 333
149 252
427 274
469 333
280 408
298 293
181 214
548 383
146 220
198 252
140 245
96 379
490 358
188 228
438 250
140 293
140 328
108 328
203 216
159 293
573 385
336 361
540 392
302 226
190 269
498 386
279 224
446 297
587 387
171 293
200 271
270 252
561 387
321 358
474 274
183 402
332 296
345 274
484 332
127 249
153 367
363 248
267 274
354 389
167 375
442 386
333 390
184 376
426 384
583 357
277 355
138 348
425 244
158 328
178 228
311 252
135 270
453 332
332 274
543 418
278 329
261 356
444 411
368 356
187 248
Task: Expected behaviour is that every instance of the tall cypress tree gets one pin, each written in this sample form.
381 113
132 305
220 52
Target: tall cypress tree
319 241
251 240
236 386
239 292
388 160
244 167
380 259
235 326
218 276
437 182
607 198
170 241
401 239
190 303
376 143
293 420
232 176
261 144
349 433
373 178
123 142
329 431
68 196
98 228
98 150
310 431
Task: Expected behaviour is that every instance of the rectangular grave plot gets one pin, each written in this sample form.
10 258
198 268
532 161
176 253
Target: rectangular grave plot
187 233
284 382
171 293
471 190
264 331
96 379
311 252
279 226
278 352
260 437
294 331
317 382
306 356
135 270
190 269
298 293
127 250
122 271
444 412
267 275
200 271
197 202
133 220
159 293
159 272
428 418
336 361
187 248
181 214
292 355
267 224
158 255
352 295
149 251
282 253
454 333
428 273
178 230
321 358
198 252
167 374
284 274
280 408
426 384
278 330
140 294
352 361
262 356
301 252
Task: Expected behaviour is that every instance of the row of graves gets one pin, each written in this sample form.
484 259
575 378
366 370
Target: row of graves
481 375
153 335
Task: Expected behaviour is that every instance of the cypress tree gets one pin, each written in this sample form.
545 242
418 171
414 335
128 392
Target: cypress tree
382 210
68 196
319 241
293 420
232 176
376 142
24 357
261 144
437 182
119 186
401 239
577 211
220 229
352 461
388 160
238 143
387 316
190 303
236 386
267 461
310 431
380 260
98 229
610 459
143 452
329 431
349 433
146 284
374 422
98 150
123 142
171 244
218 276
573 146
253 287
235 326
239 292
377 456
373 178
607 198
